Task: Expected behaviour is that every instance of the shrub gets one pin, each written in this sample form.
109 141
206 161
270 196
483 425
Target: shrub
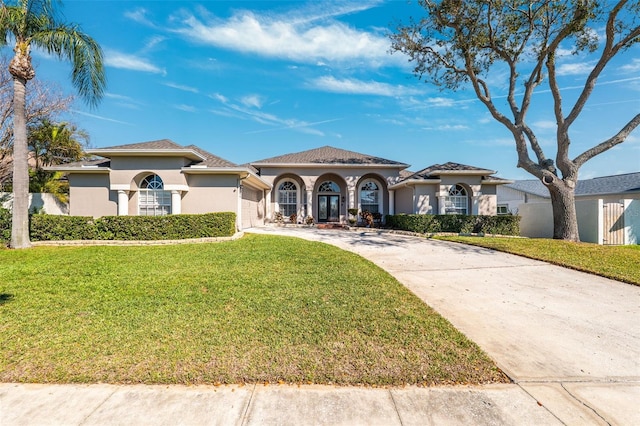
5 225
44 227
172 227
422 223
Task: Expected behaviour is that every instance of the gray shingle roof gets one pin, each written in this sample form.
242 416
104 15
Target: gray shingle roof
434 171
616 184
210 159
328 155
159 144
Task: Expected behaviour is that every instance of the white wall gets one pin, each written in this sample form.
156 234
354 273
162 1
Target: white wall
590 225
37 201
632 221
537 220
514 198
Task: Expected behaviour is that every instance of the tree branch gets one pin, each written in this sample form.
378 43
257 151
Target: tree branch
609 143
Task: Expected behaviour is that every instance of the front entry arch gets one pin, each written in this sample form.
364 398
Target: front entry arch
328 202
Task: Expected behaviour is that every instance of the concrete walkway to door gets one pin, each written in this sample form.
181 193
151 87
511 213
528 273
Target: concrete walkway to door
571 340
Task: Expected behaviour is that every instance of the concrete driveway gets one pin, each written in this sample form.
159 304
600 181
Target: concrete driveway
569 339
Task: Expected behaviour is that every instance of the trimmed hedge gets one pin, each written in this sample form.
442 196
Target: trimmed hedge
427 223
171 227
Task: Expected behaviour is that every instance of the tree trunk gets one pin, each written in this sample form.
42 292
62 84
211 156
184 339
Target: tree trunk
563 203
20 219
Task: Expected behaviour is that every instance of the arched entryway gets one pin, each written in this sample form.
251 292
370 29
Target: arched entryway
329 199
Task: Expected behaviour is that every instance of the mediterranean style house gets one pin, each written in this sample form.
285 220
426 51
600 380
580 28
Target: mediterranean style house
162 177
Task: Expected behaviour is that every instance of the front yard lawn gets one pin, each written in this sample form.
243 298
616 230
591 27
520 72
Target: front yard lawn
260 309
621 263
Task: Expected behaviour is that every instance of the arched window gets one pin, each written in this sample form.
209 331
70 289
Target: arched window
457 202
288 198
328 186
153 200
370 197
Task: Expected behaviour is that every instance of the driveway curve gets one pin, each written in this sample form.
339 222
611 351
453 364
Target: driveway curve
571 340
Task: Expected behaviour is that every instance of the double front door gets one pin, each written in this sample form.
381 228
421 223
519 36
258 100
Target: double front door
329 208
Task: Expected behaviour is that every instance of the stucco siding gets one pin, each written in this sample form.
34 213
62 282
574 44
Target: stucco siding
487 205
89 195
211 193
404 200
252 207
426 201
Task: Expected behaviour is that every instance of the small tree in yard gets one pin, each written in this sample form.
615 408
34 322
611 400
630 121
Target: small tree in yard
460 41
30 23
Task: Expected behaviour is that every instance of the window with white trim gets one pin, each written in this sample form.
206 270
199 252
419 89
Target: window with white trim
329 186
370 197
153 200
503 209
288 198
457 202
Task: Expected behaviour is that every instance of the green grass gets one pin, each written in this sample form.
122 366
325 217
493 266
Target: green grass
260 309
620 263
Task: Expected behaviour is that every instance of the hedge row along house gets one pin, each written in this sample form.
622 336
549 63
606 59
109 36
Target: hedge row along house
162 177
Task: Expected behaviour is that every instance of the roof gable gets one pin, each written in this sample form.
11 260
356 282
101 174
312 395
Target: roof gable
434 171
210 159
327 155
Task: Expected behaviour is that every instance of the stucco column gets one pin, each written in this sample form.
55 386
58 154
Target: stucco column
352 199
239 205
267 204
309 211
176 202
123 203
392 202
441 204
475 204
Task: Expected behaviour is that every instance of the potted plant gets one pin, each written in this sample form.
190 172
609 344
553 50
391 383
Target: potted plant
353 216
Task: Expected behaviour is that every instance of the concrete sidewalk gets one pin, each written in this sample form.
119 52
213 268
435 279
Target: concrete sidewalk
72 405
570 341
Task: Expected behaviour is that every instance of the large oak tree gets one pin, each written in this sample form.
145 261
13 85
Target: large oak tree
29 23
459 42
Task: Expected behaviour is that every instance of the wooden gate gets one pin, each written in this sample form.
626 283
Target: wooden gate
613 223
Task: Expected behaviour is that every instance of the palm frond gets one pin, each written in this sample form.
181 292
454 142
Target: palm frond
85 55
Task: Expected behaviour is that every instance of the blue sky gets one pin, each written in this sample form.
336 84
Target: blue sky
250 80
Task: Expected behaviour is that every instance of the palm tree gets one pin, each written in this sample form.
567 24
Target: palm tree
33 23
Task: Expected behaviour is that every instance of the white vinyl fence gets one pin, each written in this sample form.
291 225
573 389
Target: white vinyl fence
46 203
609 223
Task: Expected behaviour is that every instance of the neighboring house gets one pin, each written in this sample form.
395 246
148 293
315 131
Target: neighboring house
162 177
608 208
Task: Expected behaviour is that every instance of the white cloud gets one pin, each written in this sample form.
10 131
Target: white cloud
100 117
632 67
186 108
299 36
545 125
359 87
219 97
252 101
579 68
246 110
138 15
126 61
448 127
181 87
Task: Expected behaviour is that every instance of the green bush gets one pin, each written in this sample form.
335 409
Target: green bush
172 227
464 224
5 225
43 227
